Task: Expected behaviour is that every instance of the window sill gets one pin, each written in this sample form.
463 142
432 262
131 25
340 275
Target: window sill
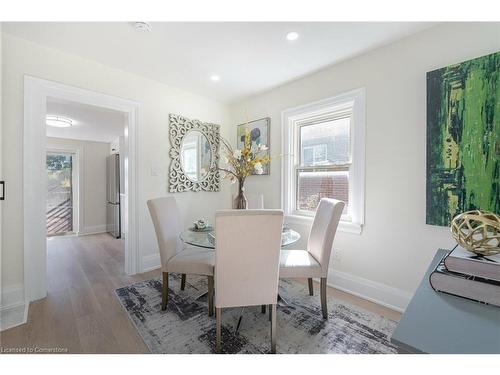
344 226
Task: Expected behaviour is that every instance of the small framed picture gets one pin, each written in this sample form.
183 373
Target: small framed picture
260 135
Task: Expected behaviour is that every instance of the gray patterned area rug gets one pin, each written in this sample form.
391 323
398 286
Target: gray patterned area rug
185 326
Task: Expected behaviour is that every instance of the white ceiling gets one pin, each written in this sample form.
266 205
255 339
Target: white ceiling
90 123
249 57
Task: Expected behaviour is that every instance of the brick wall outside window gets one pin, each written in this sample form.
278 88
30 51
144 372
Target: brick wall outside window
316 185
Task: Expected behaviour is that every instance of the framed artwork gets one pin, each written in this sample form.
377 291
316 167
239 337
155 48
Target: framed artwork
260 134
463 139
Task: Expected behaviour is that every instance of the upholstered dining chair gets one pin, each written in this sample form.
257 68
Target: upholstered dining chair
247 247
174 255
313 262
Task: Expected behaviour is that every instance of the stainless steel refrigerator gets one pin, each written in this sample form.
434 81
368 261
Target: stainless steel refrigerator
113 195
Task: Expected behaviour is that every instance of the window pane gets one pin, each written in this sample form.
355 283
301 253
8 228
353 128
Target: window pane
325 143
312 186
308 155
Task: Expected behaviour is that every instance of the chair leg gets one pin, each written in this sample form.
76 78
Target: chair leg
273 328
183 281
218 324
263 309
311 288
164 292
210 295
324 308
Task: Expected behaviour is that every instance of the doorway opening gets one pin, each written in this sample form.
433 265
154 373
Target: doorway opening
60 193
88 156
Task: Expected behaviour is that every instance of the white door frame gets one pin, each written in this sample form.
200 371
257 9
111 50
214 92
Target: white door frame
36 92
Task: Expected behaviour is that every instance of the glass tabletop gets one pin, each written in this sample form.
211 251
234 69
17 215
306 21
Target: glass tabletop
207 239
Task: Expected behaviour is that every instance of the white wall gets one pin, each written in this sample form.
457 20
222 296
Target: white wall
21 57
93 187
387 261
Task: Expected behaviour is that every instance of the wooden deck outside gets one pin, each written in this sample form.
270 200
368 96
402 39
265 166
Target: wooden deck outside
60 218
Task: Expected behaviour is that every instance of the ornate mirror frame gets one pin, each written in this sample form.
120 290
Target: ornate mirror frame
179 127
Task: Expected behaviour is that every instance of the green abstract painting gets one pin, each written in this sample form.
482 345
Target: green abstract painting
463 139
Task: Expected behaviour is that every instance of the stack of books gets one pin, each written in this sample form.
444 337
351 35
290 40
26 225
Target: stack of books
468 275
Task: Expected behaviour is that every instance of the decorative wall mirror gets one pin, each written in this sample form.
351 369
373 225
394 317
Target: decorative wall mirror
195 155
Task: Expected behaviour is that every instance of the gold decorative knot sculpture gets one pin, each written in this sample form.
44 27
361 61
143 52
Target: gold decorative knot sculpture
477 231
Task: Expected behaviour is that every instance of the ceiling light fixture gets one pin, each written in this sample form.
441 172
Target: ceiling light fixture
215 77
142 26
58 121
292 35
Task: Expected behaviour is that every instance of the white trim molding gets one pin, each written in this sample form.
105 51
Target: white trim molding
13 307
94 229
36 92
352 102
381 294
384 295
150 262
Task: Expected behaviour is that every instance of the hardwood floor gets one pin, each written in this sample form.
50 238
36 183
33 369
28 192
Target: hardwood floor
81 313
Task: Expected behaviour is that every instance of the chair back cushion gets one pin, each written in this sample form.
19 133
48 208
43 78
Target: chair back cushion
247 248
323 230
167 222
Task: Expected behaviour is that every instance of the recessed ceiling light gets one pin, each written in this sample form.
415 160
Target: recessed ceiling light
215 77
142 26
58 121
292 35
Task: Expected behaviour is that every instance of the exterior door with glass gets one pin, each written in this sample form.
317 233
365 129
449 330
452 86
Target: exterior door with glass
60 197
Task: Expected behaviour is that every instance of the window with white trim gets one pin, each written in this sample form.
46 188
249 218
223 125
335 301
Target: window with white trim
324 158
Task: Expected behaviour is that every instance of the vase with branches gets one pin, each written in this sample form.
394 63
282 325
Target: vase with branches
239 164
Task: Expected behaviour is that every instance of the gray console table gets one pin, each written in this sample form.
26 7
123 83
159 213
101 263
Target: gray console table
440 323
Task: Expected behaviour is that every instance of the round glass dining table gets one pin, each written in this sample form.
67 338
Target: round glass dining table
207 239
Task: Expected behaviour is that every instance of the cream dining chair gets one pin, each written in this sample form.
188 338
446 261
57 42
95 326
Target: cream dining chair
313 262
174 255
247 247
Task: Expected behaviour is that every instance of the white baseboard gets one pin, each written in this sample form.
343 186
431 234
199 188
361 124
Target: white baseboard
150 262
385 295
96 229
13 307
